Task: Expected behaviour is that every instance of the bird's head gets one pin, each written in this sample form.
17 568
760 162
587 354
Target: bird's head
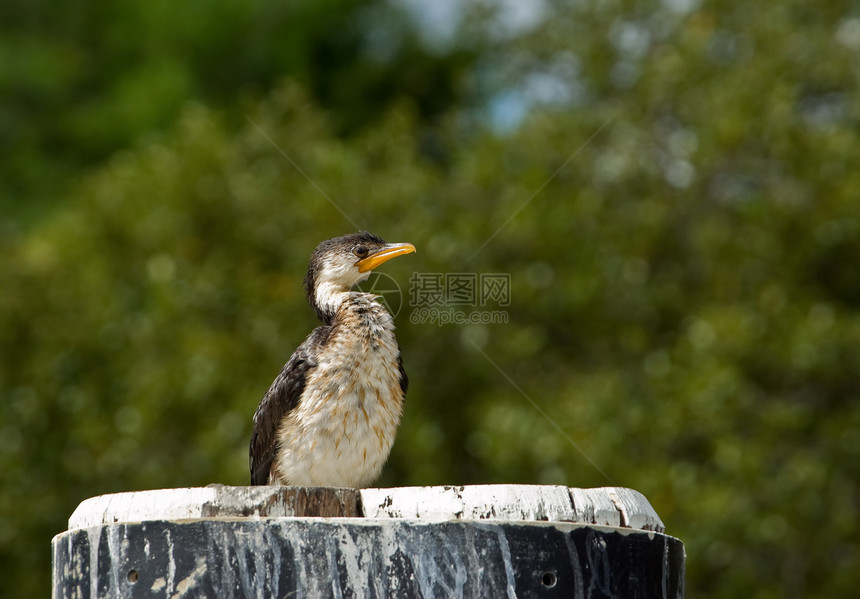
340 263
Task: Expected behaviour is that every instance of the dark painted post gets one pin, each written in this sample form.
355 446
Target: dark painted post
473 541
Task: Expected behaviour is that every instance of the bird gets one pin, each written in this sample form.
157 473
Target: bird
330 417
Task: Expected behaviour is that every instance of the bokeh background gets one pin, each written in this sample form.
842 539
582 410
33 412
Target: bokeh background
673 187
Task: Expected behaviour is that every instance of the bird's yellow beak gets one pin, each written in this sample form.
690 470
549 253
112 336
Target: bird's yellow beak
389 251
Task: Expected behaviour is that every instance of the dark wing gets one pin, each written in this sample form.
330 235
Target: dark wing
404 380
281 397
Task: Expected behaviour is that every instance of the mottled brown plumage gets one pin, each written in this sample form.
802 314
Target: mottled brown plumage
331 415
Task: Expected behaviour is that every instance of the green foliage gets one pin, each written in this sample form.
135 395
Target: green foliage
82 81
685 303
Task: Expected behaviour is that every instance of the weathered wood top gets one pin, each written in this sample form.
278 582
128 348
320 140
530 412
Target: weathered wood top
607 506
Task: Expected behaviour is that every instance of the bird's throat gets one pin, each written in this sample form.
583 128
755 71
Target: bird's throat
328 298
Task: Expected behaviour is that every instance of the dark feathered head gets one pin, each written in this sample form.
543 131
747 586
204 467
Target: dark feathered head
340 263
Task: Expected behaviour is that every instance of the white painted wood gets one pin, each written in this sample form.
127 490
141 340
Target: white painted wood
517 502
429 503
214 501
609 506
474 502
162 504
635 509
593 506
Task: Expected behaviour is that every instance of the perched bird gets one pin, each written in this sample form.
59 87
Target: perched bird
331 415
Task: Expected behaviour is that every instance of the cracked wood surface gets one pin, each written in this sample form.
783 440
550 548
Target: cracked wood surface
607 506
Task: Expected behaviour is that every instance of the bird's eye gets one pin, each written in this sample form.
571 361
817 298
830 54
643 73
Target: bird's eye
360 251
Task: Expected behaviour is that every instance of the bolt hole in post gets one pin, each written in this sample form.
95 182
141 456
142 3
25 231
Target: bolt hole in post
132 576
549 579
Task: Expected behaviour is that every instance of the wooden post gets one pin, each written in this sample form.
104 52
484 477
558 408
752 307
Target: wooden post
472 541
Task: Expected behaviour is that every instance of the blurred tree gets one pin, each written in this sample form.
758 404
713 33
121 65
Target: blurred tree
673 190
82 81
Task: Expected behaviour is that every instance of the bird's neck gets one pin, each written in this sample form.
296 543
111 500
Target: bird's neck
330 297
